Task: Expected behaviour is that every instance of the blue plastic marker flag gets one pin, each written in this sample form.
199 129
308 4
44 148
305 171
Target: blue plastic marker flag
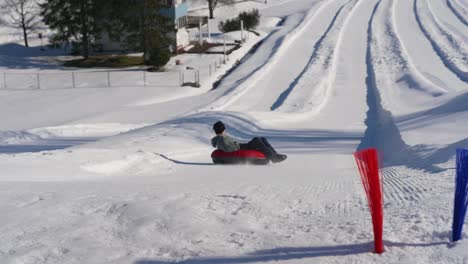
461 194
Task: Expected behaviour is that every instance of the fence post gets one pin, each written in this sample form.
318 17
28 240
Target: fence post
209 29
144 78
210 70
200 32
242 30
224 52
73 79
38 81
4 80
108 79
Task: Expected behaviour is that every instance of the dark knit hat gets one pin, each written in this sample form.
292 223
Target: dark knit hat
219 127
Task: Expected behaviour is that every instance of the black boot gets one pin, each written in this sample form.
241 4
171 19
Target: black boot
278 158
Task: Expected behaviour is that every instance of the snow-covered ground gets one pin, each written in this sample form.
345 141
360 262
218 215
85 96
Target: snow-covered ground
124 175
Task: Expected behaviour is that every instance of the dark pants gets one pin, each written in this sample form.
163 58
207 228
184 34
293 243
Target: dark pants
260 144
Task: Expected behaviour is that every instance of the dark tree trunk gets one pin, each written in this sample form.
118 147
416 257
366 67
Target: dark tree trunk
211 8
25 33
144 37
84 29
25 36
23 26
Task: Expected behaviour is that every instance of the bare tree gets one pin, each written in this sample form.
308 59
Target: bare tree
212 4
22 14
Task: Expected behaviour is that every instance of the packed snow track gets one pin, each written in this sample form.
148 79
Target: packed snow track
106 177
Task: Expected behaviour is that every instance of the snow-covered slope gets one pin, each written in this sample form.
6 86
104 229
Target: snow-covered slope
103 176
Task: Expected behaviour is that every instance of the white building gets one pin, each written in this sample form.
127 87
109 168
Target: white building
177 11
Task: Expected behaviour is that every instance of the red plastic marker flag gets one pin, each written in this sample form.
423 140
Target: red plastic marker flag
368 163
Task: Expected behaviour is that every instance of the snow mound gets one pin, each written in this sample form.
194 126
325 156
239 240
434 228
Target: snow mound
86 130
136 163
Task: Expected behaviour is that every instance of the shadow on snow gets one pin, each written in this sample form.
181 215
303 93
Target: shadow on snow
44 145
184 162
15 56
291 253
382 133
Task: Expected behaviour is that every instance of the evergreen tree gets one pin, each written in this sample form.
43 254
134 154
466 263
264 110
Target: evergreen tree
142 27
74 21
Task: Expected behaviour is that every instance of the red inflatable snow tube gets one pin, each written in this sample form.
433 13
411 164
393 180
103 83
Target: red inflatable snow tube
239 157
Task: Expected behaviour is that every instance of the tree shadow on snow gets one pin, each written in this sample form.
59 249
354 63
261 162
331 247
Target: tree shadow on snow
44 145
15 56
293 253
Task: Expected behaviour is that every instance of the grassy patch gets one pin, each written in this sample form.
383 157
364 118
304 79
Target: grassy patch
107 61
154 69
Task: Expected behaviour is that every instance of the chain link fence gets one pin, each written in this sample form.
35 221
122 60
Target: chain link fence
184 76
74 80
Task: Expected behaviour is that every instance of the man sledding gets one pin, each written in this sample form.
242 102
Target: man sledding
257 151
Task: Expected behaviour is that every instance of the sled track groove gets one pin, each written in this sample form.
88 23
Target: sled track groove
394 57
240 87
311 88
442 55
456 13
457 45
455 41
373 99
284 95
381 131
463 4
233 93
274 51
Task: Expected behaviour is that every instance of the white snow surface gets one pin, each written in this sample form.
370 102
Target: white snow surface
124 174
